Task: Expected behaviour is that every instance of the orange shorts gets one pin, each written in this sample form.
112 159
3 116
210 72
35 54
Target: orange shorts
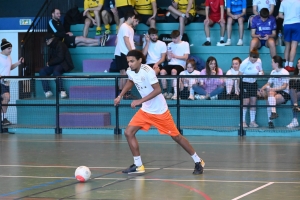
163 122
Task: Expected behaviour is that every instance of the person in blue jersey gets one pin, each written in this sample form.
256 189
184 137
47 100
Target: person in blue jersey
55 27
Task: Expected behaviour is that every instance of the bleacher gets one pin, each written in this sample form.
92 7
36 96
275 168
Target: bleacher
202 120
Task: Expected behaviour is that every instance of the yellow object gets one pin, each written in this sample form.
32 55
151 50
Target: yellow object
183 4
92 4
143 7
120 3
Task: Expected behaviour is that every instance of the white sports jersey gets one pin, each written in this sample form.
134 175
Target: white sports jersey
5 65
143 81
249 68
263 4
155 50
189 81
291 10
278 82
179 49
124 30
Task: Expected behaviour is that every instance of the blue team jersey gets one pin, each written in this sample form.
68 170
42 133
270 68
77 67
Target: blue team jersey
236 6
263 27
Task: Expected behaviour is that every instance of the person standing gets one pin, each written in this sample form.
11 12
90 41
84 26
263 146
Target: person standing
154 112
5 67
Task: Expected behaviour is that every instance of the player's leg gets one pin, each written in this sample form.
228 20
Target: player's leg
270 43
87 24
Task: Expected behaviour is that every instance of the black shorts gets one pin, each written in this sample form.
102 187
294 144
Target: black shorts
171 19
111 14
70 41
4 89
250 90
121 62
122 11
285 95
169 68
144 18
151 65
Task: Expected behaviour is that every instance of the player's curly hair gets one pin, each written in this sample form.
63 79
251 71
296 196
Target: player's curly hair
137 54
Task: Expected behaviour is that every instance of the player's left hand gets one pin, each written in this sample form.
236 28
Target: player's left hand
135 103
21 60
117 101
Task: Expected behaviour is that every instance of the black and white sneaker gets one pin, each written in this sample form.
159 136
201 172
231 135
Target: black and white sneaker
5 122
199 167
273 115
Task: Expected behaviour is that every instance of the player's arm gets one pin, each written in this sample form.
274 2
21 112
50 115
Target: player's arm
20 61
127 43
184 57
162 58
156 91
146 47
154 9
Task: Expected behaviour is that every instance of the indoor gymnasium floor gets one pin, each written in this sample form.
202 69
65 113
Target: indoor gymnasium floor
42 167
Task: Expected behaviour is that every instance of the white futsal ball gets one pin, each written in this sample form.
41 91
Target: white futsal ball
82 173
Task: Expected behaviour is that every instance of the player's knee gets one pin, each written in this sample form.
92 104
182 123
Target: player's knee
177 138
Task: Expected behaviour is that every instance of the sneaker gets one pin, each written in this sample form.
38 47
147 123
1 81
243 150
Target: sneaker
169 96
271 125
107 32
98 32
5 122
202 97
197 96
253 125
48 94
104 39
133 169
165 95
289 69
207 43
228 43
191 97
199 167
240 43
273 115
296 109
245 125
221 43
174 97
63 94
293 124
214 97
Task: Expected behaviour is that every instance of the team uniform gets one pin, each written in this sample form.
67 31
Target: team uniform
250 84
56 27
236 7
5 67
144 9
278 82
92 4
263 27
154 112
121 50
123 6
182 7
178 49
155 50
291 23
214 9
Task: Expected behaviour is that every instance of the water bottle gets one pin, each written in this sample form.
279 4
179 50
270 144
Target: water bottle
111 5
279 40
169 48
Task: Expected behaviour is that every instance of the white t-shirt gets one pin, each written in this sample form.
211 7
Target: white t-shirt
155 50
249 68
179 49
124 30
291 10
263 4
185 72
143 81
231 71
5 65
278 82
189 81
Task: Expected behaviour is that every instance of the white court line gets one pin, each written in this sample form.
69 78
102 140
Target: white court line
252 191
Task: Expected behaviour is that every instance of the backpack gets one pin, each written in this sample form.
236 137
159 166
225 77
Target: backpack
200 64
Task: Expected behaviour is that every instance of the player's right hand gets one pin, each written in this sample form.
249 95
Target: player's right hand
117 101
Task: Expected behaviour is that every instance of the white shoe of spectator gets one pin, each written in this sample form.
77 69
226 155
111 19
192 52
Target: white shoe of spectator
227 43
240 43
293 124
169 96
202 97
165 95
191 97
197 96
63 94
214 97
48 94
174 97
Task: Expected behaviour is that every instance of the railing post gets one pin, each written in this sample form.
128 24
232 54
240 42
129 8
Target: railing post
178 106
57 129
117 129
241 131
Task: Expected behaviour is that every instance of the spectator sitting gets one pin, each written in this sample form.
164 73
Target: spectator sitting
155 50
276 89
92 13
186 84
182 11
55 27
263 31
178 53
109 15
123 7
209 88
258 5
236 11
214 11
294 89
231 83
59 62
146 10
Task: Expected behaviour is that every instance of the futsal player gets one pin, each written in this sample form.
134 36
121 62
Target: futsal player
154 112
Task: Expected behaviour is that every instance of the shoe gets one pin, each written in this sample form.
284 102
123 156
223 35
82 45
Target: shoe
271 125
228 43
174 97
169 96
273 115
199 167
165 95
289 69
207 43
48 94
104 39
214 97
133 169
253 125
240 43
197 96
98 32
107 32
221 43
63 94
245 125
5 122
191 97
293 124
296 109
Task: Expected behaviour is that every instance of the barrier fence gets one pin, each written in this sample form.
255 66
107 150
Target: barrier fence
89 104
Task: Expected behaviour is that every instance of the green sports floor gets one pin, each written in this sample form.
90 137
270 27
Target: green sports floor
42 167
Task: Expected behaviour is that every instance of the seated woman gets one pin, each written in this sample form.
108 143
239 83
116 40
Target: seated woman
232 91
294 89
209 88
276 89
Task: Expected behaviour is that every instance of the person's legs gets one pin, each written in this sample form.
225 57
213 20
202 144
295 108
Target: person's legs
270 43
222 29
98 22
164 82
199 89
46 71
181 25
255 44
246 102
229 85
241 30
207 24
87 24
293 51
82 41
229 28
5 100
129 133
107 19
217 91
151 23
295 96
253 112
58 71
